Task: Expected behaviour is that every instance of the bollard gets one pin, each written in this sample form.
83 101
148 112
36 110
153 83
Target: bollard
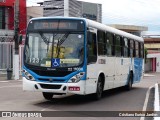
9 74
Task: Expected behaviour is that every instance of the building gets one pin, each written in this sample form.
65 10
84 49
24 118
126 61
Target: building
7 15
34 11
7 30
72 8
152 44
136 30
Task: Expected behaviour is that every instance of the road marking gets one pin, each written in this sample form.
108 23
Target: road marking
146 101
44 109
11 86
47 108
156 101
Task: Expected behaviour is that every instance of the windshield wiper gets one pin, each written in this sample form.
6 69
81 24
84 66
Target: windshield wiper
44 38
60 42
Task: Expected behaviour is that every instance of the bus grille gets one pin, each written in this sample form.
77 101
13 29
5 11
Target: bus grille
47 86
52 73
48 80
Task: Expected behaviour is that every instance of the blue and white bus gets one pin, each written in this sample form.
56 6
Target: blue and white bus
65 55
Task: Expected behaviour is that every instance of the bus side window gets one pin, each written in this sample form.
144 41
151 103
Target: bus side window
137 49
126 51
122 46
142 50
118 46
101 42
91 47
134 51
109 41
132 48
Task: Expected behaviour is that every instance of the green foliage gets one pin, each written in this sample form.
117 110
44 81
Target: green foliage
145 55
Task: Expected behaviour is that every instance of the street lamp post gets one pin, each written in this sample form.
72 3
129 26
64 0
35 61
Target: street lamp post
16 32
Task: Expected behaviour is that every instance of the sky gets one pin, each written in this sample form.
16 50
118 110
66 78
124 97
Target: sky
127 12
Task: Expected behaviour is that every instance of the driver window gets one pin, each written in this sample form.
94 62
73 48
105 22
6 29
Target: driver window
92 47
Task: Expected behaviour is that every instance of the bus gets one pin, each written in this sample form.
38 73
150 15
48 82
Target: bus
66 55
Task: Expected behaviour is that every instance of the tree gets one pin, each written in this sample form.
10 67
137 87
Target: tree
145 55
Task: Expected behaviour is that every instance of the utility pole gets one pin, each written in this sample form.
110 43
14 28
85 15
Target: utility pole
66 8
16 32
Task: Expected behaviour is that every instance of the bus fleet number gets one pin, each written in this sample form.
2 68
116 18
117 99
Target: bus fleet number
34 60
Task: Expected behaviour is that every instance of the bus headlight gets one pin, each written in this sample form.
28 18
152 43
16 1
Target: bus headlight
76 78
28 76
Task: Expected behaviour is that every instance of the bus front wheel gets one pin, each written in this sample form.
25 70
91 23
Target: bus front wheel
99 90
48 96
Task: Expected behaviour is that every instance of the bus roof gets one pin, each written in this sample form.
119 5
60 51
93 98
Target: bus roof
100 26
113 30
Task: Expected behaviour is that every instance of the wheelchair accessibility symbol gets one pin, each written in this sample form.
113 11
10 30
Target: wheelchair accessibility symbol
55 62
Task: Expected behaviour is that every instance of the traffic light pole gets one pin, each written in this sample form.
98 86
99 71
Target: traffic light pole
16 32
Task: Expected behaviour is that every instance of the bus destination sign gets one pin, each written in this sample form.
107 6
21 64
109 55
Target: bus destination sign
55 25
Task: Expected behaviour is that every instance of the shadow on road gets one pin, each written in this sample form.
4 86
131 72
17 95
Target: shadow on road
78 100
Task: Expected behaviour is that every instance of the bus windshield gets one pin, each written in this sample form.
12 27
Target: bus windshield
62 49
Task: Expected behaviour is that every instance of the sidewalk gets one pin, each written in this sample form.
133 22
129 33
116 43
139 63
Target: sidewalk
148 75
3 77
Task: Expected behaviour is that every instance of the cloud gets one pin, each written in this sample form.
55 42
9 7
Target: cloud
133 12
33 2
136 12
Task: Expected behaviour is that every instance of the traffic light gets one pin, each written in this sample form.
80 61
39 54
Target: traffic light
20 37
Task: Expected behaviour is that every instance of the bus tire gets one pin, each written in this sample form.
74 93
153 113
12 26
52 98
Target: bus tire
99 90
130 82
48 96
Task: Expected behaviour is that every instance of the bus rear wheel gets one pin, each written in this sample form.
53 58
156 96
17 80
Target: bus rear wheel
130 82
99 90
48 96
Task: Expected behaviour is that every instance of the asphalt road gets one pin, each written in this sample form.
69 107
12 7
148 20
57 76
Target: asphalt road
12 98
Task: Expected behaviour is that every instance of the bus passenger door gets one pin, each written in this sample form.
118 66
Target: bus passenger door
110 61
117 81
110 72
118 60
91 61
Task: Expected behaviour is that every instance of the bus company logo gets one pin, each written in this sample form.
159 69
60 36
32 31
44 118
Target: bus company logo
50 80
2 1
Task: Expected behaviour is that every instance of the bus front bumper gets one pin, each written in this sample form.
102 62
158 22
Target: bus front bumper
57 88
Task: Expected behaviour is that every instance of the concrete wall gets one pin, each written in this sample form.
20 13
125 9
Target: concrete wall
152 45
75 8
72 8
148 65
53 8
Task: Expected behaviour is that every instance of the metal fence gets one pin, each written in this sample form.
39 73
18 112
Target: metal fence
6 55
